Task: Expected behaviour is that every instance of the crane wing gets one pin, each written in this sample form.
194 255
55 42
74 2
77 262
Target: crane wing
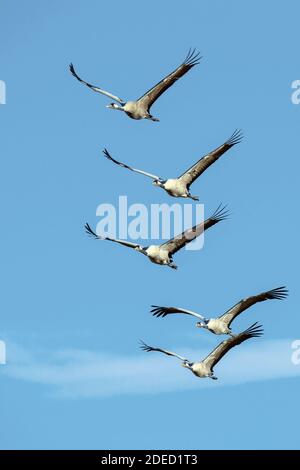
155 92
278 293
178 242
91 232
147 348
164 311
150 175
95 88
189 176
216 355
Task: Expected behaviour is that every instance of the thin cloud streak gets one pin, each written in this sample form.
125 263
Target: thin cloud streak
76 373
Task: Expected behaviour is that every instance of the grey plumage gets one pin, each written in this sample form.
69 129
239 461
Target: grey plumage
140 108
163 253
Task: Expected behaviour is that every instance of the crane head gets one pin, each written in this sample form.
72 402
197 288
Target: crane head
187 364
158 183
114 106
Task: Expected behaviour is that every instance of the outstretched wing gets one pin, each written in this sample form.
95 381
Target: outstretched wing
154 93
278 293
91 232
216 355
189 176
150 175
147 348
164 311
95 88
175 244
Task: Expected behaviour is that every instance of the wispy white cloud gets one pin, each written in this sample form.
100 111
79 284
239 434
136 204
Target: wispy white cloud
82 374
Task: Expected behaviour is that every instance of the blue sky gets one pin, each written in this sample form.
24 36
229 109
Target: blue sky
73 310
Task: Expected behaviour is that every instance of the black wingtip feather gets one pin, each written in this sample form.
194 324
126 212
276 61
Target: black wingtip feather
109 157
107 154
278 293
221 213
193 58
254 331
145 346
89 231
235 138
72 70
158 311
